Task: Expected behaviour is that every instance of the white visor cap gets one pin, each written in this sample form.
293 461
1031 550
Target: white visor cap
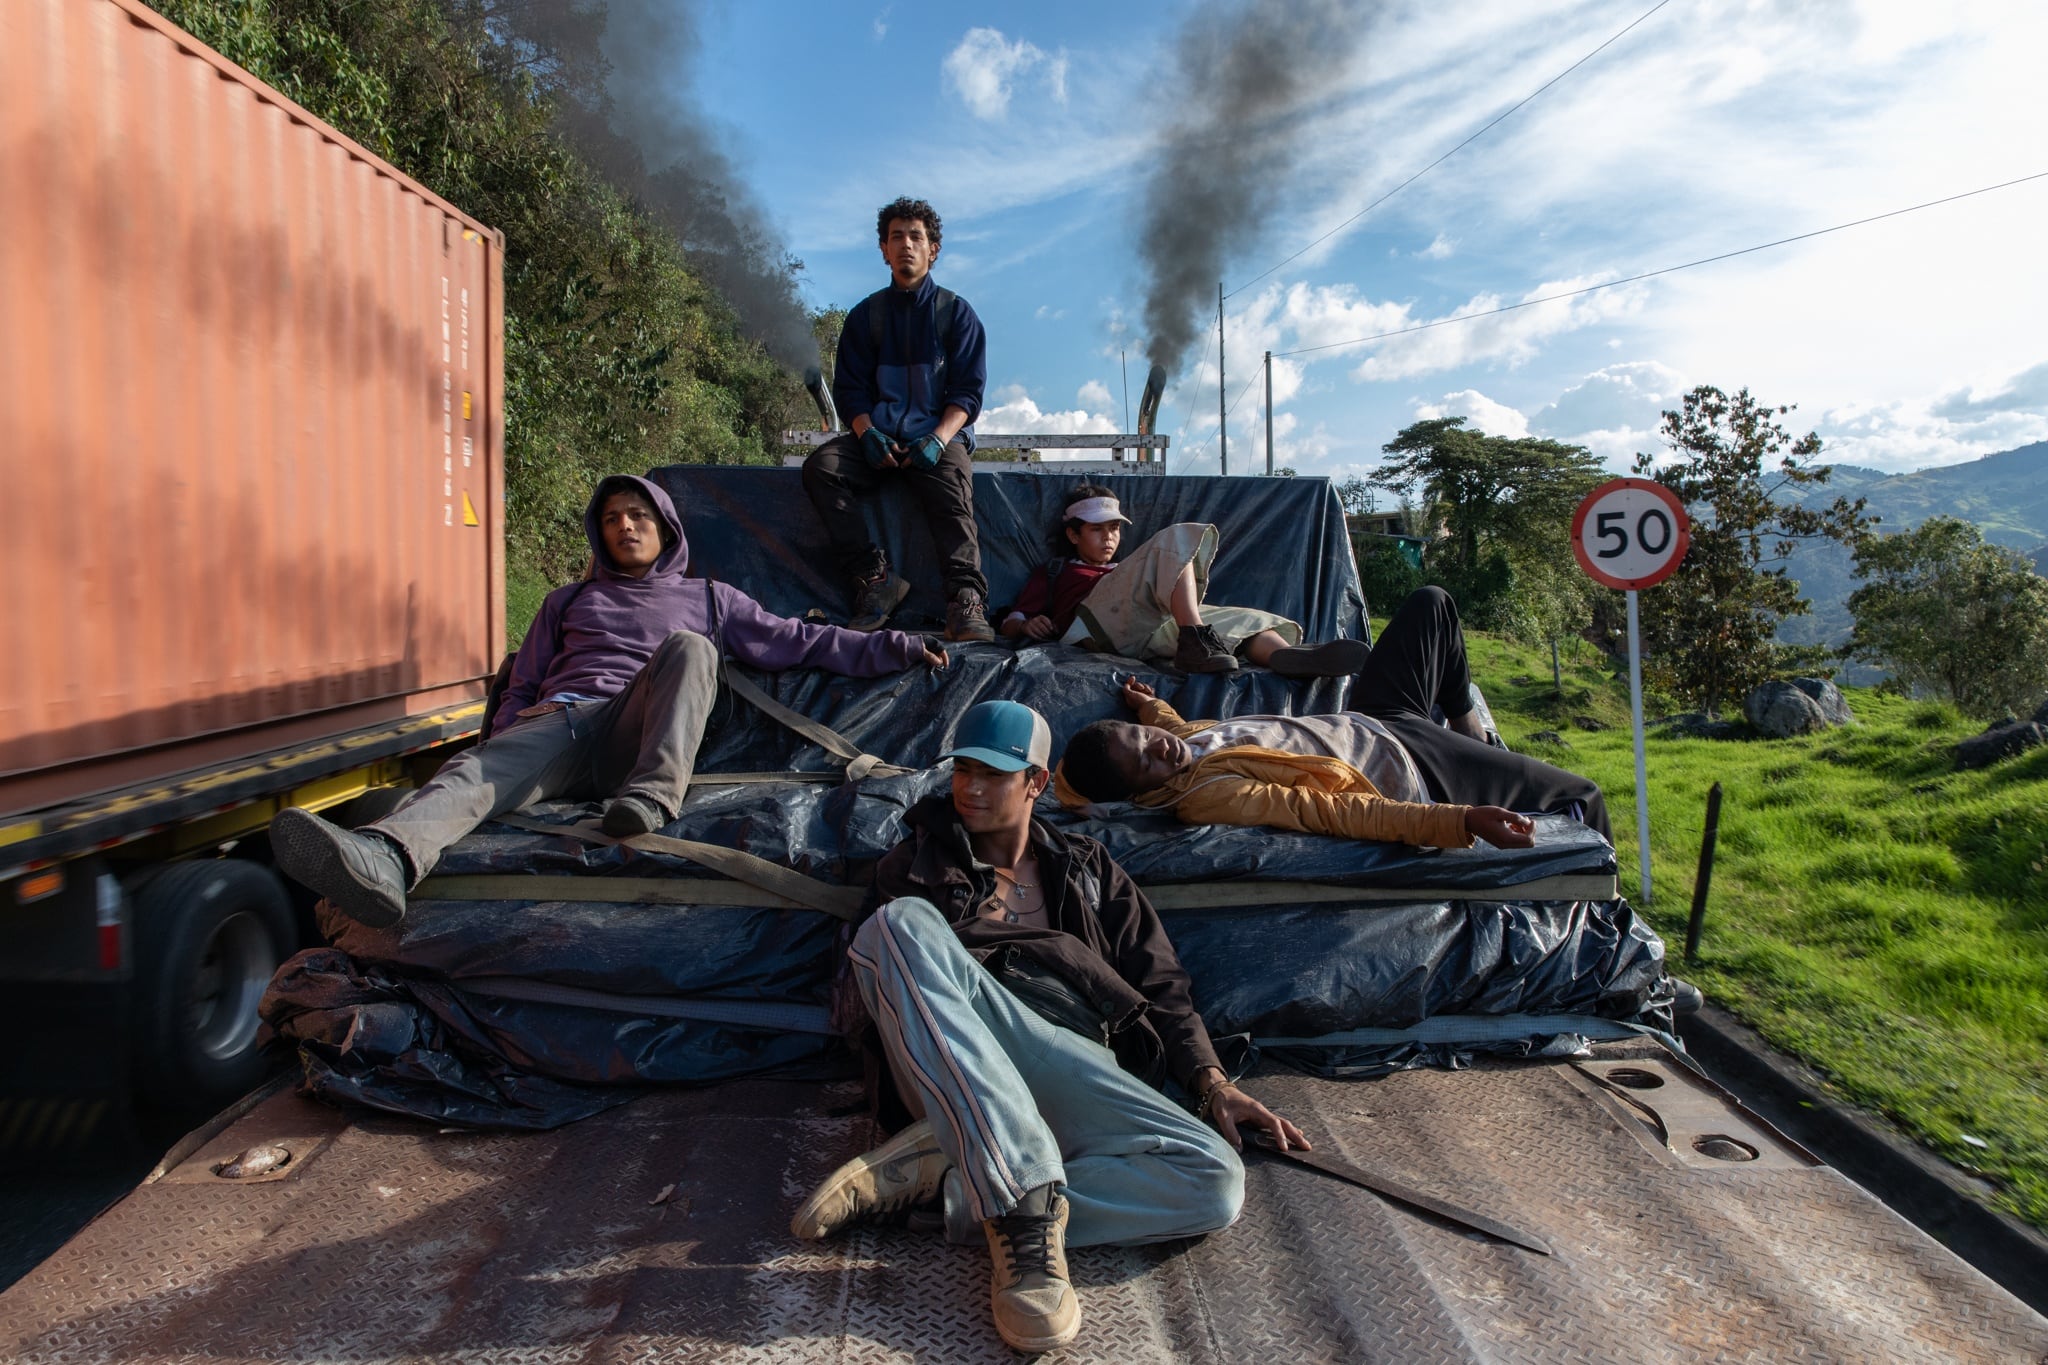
1095 510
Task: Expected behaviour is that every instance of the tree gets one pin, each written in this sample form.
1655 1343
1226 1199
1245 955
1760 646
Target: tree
1505 504
1709 630
1949 614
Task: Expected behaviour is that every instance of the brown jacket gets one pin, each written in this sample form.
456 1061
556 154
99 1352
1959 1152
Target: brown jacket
1106 940
1247 785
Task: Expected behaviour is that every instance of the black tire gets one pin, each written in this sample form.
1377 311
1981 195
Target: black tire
208 937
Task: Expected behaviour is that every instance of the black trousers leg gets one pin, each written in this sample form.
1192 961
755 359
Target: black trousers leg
837 478
1419 662
946 492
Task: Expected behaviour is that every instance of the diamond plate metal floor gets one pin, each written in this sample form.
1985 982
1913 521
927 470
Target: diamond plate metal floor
385 1240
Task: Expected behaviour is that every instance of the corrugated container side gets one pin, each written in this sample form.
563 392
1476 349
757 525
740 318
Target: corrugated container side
250 445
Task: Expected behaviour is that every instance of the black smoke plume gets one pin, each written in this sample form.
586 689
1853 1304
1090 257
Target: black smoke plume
619 71
1244 72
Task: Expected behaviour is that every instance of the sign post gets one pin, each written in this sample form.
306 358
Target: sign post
1630 534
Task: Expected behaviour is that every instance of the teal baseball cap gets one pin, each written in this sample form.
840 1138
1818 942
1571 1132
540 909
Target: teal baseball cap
1007 735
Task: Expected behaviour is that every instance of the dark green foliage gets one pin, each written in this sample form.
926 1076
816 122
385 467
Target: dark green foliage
1709 630
1384 573
617 356
1505 506
1946 613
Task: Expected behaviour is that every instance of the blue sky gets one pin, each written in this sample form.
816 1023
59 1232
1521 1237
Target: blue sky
1713 126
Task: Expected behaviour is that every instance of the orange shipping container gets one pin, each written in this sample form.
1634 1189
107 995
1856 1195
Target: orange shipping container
251 448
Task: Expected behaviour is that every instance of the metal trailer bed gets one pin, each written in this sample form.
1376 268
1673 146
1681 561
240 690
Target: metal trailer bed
658 1231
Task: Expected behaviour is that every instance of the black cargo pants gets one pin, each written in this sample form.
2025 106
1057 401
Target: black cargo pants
1418 662
837 477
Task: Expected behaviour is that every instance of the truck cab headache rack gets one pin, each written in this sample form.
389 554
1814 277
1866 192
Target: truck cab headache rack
1129 452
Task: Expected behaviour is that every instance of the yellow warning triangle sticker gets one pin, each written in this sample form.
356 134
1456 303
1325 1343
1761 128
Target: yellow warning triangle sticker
469 517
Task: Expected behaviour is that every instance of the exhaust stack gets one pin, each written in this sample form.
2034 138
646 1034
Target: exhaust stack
821 394
1148 408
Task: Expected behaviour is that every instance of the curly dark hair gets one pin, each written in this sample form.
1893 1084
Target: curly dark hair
1088 766
907 208
1062 548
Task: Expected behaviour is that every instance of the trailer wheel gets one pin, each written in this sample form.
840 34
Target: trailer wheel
208 937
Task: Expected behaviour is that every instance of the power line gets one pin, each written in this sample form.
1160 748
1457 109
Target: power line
1189 458
1667 270
1447 155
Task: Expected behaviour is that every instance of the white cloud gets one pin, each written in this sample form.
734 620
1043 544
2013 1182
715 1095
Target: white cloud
1512 337
882 23
1480 413
1095 396
1629 396
1438 250
1017 413
1045 312
984 67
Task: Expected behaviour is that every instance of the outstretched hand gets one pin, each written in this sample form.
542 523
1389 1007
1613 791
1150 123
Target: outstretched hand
1500 827
1232 1110
1135 693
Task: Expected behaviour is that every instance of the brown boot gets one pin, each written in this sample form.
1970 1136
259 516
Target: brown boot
1034 1302
1201 650
967 617
879 1186
875 597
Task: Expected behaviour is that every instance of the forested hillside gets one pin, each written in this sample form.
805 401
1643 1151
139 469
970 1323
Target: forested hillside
618 356
2005 495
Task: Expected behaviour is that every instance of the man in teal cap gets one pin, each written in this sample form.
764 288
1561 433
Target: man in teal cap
1030 1005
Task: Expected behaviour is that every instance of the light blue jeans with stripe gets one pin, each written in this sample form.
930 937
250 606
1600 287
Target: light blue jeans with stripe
1017 1102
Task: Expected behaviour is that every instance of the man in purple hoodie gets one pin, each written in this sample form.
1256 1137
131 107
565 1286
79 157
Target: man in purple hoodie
608 697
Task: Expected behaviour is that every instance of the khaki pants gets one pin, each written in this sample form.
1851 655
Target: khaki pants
1130 613
642 742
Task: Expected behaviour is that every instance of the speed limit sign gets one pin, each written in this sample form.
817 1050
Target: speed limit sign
1630 533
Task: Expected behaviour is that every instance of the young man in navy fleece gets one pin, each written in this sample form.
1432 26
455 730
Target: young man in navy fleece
908 381
609 695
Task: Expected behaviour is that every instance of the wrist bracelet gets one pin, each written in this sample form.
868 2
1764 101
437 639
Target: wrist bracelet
1207 1101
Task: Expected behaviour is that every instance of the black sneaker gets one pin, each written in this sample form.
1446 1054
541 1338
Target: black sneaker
967 617
1330 659
362 874
875 598
626 816
1201 650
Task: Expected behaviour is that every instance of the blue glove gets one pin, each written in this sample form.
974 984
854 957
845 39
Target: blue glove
927 449
874 447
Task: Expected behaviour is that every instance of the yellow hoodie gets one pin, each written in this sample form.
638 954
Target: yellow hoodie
1313 793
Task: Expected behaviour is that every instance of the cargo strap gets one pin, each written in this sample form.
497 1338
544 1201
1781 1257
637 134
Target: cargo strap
761 1014
842 902
858 764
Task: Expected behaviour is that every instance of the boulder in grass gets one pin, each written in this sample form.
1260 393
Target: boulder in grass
1779 710
1550 737
1829 698
1699 725
2002 740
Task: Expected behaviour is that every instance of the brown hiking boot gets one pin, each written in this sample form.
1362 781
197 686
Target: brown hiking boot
1330 659
1034 1301
967 617
879 1186
1201 650
875 597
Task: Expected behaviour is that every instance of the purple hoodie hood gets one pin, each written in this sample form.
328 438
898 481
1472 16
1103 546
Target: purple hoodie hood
591 637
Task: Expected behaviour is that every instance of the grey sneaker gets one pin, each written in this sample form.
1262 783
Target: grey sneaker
626 816
1033 1299
1330 659
1201 650
967 617
362 874
884 1185
875 598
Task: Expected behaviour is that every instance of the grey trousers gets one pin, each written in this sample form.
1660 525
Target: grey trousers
642 742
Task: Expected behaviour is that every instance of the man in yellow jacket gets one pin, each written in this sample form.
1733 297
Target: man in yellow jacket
1387 771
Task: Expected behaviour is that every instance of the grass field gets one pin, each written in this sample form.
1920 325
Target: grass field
1872 910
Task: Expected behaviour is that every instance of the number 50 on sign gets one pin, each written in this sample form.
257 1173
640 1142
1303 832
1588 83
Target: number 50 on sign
1630 534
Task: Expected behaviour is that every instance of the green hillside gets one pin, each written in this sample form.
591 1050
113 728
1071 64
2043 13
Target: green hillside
1873 910
2005 495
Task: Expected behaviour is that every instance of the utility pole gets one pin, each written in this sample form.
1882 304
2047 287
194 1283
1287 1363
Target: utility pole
1222 413
1121 359
1269 414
